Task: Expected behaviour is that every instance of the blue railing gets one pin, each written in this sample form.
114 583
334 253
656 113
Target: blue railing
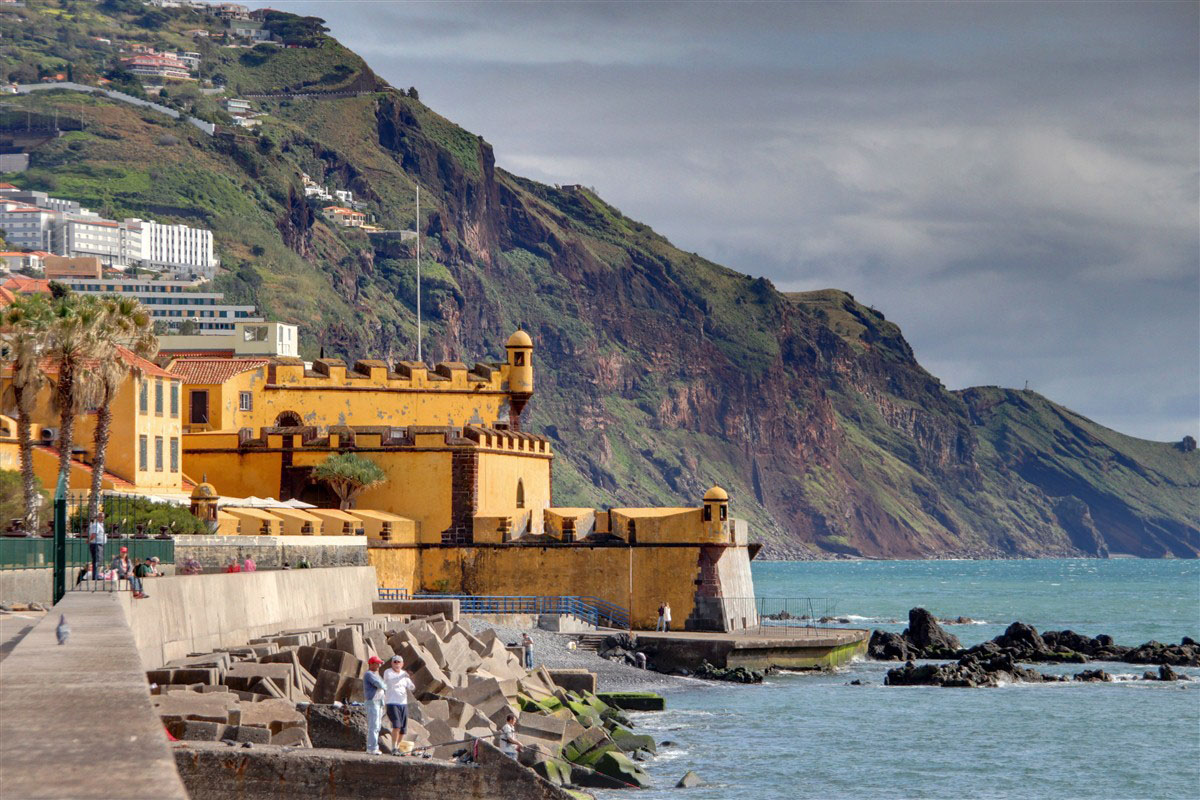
595 610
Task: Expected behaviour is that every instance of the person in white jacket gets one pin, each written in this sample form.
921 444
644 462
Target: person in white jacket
396 699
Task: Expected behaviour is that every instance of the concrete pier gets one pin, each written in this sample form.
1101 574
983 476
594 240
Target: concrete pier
791 648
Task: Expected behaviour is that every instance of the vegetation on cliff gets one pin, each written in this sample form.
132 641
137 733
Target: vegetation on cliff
660 372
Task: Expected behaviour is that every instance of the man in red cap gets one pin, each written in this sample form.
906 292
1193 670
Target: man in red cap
124 569
373 689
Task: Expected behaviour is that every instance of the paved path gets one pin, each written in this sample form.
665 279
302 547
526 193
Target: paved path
14 626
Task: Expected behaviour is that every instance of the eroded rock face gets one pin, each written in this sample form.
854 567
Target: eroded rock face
923 638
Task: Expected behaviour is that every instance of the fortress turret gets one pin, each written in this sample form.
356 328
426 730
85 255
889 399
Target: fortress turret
520 374
716 510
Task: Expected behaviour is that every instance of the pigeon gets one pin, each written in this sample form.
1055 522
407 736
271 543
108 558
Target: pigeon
63 630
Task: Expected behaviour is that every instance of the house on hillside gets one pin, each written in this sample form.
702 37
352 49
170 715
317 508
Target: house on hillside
159 65
344 217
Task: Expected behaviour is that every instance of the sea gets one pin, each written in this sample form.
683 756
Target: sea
806 735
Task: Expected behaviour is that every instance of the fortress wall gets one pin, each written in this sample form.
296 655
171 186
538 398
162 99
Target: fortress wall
199 613
737 589
659 574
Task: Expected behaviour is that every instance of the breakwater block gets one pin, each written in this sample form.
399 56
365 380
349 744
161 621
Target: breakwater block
634 701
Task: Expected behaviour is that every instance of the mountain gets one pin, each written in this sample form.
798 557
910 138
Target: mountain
659 371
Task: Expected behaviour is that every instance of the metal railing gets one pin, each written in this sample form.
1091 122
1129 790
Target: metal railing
38 553
393 593
597 611
786 615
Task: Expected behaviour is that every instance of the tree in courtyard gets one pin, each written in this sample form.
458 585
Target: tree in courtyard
348 474
124 329
24 330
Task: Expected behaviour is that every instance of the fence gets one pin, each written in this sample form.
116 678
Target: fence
789 615
598 612
143 526
392 593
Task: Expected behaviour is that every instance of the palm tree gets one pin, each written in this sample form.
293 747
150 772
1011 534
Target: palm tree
24 326
125 328
73 341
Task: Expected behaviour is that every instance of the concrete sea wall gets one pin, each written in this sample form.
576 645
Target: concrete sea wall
75 719
199 613
270 552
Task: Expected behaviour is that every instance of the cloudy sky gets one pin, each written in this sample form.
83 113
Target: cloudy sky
1015 184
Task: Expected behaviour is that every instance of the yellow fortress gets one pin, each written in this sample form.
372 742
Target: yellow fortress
467 506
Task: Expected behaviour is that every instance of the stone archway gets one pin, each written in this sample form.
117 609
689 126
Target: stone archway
288 419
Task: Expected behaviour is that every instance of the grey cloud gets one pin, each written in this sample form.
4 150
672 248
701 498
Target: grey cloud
1015 184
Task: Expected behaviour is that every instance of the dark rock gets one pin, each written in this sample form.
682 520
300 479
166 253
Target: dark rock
856 682
1187 640
732 674
1165 673
887 646
666 743
1177 655
1149 676
1093 676
689 780
929 637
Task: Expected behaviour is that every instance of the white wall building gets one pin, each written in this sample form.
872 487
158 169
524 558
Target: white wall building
27 227
176 248
246 339
114 243
172 302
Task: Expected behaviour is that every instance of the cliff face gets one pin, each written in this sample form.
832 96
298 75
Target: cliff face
659 373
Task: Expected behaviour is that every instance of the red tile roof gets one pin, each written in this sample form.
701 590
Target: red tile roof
49 365
22 285
213 370
118 483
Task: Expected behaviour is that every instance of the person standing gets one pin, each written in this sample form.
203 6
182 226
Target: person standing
527 642
396 698
666 616
658 626
374 689
508 737
97 538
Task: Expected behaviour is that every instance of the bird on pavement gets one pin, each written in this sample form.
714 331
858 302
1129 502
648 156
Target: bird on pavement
63 630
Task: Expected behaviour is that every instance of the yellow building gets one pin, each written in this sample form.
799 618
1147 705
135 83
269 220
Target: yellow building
145 442
467 503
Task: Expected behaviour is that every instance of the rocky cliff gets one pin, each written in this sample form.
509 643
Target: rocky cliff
659 372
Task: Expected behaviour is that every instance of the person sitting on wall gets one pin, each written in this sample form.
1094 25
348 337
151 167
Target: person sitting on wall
141 571
233 566
152 564
123 568
287 565
249 565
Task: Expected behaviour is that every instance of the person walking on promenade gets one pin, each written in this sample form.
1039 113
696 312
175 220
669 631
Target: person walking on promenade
396 698
666 617
374 689
508 737
97 538
527 642
658 626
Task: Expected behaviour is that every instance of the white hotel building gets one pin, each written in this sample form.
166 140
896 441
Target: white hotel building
176 248
172 302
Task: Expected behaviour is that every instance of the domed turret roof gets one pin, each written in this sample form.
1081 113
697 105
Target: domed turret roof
716 494
519 339
204 491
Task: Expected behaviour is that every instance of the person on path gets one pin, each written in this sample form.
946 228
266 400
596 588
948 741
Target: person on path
527 641
249 565
658 626
396 698
374 689
123 567
97 538
508 737
666 616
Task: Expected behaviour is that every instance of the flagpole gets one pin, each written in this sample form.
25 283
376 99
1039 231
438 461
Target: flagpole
419 358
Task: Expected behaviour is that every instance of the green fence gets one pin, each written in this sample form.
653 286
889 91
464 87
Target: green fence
38 552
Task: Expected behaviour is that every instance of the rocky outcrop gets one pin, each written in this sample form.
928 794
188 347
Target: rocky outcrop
923 638
971 671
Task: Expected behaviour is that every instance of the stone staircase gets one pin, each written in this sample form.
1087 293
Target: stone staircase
590 642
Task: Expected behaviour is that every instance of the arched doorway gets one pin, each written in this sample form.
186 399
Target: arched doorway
288 419
520 493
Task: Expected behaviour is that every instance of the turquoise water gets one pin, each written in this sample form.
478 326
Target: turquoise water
815 736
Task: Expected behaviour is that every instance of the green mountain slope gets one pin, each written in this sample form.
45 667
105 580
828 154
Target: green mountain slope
659 372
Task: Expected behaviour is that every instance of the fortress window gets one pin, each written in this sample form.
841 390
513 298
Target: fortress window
144 397
518 359
520 493
724 512
143 458
245 401
288 419
707 512
199 407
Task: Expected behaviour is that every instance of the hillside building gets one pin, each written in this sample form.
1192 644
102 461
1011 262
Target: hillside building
246 339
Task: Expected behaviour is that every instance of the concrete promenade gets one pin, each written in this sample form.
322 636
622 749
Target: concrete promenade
790 647
76 720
